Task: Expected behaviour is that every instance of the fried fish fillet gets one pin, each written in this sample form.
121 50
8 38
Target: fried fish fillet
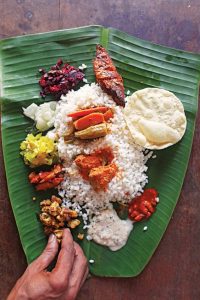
107 76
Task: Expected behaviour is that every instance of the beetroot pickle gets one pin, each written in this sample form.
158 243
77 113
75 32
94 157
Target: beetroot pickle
59 79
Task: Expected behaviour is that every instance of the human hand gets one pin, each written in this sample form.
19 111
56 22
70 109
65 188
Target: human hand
63 282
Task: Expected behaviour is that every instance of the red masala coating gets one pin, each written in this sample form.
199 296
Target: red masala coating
46 180
97 167
101 176
86 163
49 184
106 153
107 76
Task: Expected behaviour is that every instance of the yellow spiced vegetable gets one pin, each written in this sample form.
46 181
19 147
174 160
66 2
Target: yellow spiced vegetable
38 150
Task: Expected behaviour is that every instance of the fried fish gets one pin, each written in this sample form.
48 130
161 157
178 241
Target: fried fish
107 76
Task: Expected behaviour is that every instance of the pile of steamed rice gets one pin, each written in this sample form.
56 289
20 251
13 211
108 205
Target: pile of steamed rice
130 158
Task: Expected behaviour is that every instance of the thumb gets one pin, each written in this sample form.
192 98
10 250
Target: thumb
47 256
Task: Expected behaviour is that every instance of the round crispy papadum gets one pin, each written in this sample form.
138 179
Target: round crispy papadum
155 117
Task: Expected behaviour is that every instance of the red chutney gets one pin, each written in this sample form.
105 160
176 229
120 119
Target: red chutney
143 206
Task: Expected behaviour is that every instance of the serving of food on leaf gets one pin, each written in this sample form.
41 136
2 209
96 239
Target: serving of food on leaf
92 147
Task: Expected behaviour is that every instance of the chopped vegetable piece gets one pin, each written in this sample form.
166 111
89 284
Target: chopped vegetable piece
143 206
73 223
92 132
48 185
108 115
85 112
69 130
38 150
80 236
47 180
59 234
43 115
89 120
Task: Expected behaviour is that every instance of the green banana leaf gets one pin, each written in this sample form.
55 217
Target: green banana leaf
141 64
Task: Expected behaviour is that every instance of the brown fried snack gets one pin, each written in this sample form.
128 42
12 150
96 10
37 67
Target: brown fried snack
107 76
54 217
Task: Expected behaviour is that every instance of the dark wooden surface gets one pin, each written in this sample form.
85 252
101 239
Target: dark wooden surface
174 270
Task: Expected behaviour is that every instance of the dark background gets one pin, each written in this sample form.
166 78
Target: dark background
174 270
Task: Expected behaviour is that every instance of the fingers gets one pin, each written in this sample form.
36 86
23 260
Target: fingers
84 277
80 265
72 292
65 261
79 271
47 256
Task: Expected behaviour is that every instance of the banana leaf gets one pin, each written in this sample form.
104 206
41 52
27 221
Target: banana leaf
141 64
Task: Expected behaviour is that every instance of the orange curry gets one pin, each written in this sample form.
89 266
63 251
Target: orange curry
97 168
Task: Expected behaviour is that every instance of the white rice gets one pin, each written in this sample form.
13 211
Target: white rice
130 159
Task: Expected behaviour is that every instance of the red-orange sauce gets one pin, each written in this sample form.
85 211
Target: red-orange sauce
97 167
143 206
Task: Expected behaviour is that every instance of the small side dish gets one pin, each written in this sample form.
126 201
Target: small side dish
59 79
53 217
158 120
43 115
38 150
